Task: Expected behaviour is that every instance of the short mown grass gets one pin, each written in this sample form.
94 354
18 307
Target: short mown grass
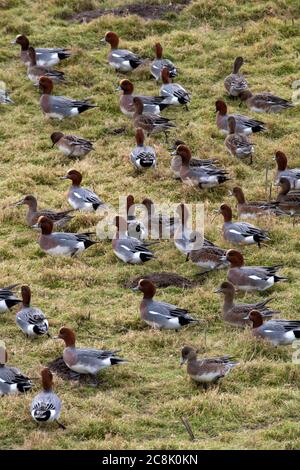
139 405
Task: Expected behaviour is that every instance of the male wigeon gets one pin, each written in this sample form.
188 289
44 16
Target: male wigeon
173 93
159 63
238 144
121 60
278 332
209 258
81 198
159 225
186 239
60 107
206 370
59 218
135 228
31 320
34 71
4 97
46 57
176 161
71 145
150 123
293 174
240 233
142 156
264 102
235 314
151 104
236 82
86 360
7 298
243 124
46 406
159 314
288 199
61 243
253 209
203 177
11 379
127 248
250 278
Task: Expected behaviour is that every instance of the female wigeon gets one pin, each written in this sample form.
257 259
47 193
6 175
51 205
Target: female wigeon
159 63
293 174
11 379
60 218
151 104
238 144
129 249
209 258
86 360
253 209
236 82
150 123
61 243
250 278
81 198
173 93
206 370
158 314
235 314
176 161
71 145
46 57
142 156
34 71
60 107
7 298
278 332
31 320
159 225
4 97
46 406
121 60
288 199
264 102
202 177
135 228
243 124
240 233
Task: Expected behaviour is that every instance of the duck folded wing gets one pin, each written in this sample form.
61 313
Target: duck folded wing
78 141
283 325
87 354
247 230
133 245
12 375
269 99
6 292
152 99
60 103
220 360
55 216
123 54
168 310
245 121
87 195
51 50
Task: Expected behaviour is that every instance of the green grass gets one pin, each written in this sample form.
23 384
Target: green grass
140 405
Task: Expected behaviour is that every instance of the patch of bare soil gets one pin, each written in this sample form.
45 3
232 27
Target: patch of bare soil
163 280
148 11
59 367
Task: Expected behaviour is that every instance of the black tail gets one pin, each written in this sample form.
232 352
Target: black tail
85 107
117 360
280 278
12 302
223 179
258 129
88 243
64 55
146 257
186 320
163 106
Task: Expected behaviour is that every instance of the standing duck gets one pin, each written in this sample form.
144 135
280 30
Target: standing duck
151 104
71 145
235 83
11 379
235 314
264 102
254 209
135 228
81 198
35 72
206 371
46 57
173 93
185 239
278 332
293 174
176 161
238 144
46 406
142 156
159 63
243 124
150 123
158 314
7 298
288 200
121 60
250 278
240 233
159 225
31 320
60 219
60 107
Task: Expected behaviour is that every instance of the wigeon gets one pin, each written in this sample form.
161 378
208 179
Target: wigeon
151 104
293 174
243 124
264 102
60 107
4 97
46 57
253 209
71 145
31 320
59 218
186 239
35 72
278 332
150 123
81 198
176 161
236 82
7 298
142 156
206 370
11 379
235 314
46 406
250 278
209 258
159 63
240 233
173 93
288 199
135 228
238 144
161 315
121 60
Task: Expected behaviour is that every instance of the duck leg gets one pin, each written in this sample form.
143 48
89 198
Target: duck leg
60 425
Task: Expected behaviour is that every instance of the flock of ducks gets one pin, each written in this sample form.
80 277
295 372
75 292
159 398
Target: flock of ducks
132 240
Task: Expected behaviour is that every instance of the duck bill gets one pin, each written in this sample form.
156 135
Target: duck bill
246 317
217 291
35 226
216 213
135 289
102 41
14 41
174 152
65 177
182 362
19 203
118 88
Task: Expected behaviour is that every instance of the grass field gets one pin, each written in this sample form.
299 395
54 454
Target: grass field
139 405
